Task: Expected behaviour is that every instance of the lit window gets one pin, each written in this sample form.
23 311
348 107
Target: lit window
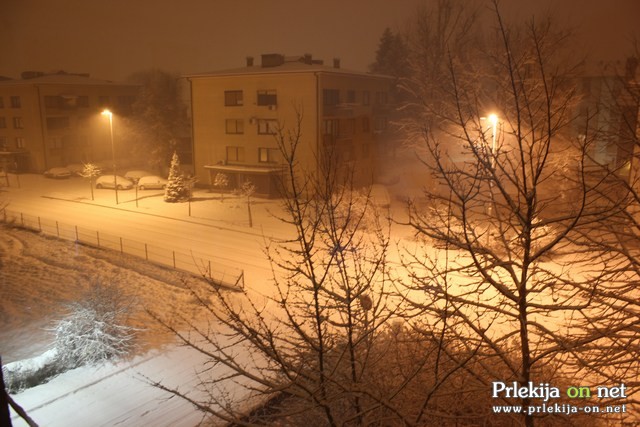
268 155
267 127
19 142
233 98
235 154
234 126
330 127
17 123
267 97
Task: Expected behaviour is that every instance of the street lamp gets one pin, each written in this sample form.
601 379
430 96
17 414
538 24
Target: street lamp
493 119
113 151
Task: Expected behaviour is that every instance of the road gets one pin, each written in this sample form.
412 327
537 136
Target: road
156 223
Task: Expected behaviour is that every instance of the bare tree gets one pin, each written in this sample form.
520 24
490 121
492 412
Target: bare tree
613 161
508 210
321 345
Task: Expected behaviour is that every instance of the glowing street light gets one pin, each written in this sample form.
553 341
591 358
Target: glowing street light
493 119
113 151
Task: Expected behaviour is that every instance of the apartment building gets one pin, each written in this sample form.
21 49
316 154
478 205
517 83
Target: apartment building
50 120
236 114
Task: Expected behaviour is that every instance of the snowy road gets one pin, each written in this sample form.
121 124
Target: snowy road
155 223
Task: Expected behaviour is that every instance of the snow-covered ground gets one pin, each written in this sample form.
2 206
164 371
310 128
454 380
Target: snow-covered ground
39 276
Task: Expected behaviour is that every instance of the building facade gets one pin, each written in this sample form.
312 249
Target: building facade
52 120
236 115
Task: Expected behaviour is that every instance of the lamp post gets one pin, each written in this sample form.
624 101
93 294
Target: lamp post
113 151
493 119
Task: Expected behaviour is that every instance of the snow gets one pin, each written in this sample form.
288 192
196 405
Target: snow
41 276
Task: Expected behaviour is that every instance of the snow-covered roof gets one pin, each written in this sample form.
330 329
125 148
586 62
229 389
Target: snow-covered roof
62 79
291 64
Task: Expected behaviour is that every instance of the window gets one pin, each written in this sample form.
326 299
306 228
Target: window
267 127
103 101
366 150
381 98
57 123
268 155
347 127
235 154
3 143
15 102
19 142
380 123
351 96
55 143
17 123
365 124
83 101
330 127
233 98
267 97
234 126
3 123
1 102
365 97
330 97
51 101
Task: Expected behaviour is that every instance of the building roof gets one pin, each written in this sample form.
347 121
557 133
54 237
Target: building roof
62 79
288 64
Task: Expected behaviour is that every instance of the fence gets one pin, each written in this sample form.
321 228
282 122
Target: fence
191 263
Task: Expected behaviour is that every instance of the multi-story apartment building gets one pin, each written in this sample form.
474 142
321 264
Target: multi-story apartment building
236 114
50 120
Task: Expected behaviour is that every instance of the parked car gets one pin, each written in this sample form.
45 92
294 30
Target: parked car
152 182
76 169
106 181
57 173
135 175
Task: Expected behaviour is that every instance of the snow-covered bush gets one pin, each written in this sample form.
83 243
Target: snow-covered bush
96 329
177 189
221 181
29 373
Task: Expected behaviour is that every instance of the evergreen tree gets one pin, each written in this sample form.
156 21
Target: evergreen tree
391 55
177 190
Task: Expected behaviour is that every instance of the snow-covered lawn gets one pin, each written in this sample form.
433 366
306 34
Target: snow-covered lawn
39 277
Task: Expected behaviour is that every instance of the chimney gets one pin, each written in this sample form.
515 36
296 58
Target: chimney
249 61
307 58
336 62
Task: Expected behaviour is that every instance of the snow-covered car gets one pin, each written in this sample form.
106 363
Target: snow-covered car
152 182
106 181
135 175
76 169
57 173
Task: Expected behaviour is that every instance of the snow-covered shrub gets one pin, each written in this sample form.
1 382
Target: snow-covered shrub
177 189
221 181
29 373
96 329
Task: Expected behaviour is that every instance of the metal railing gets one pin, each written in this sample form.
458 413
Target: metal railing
194 263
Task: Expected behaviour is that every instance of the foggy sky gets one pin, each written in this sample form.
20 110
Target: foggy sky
112 39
